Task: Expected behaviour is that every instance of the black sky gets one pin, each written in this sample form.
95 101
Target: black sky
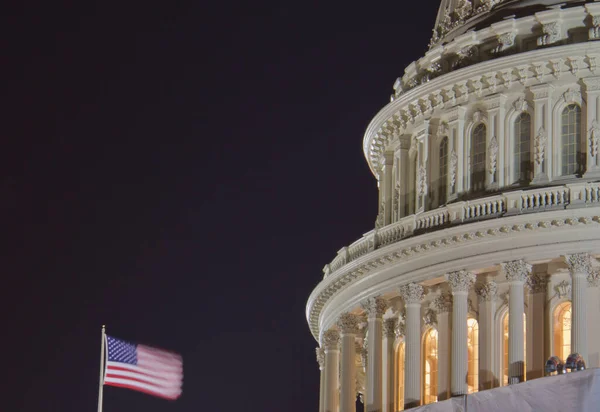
182 171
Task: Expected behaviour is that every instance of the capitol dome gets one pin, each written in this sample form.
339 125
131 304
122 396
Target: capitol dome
483 259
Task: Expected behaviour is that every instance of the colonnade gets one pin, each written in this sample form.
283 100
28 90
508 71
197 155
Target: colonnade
338 373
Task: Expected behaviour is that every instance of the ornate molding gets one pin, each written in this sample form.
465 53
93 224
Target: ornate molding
460 281
422 180
429 318
594 138
375 307
453 168
563 289
389 327
536 283
320 357
443 303
594 279
487 291
579 264
520 105
330 339
348 324
552 34
411 293
516 270
541 139
493 154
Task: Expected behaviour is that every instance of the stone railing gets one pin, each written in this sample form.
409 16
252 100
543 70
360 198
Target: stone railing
505 204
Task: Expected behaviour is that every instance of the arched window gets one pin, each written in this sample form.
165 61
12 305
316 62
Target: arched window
522 164
443 171
505 348
473 355
430 358
478 158
571 140
562 330
400 377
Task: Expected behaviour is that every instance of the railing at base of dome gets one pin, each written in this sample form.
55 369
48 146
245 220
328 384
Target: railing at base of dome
505 204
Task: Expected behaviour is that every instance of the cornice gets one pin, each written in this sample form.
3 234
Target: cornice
474 82
432 243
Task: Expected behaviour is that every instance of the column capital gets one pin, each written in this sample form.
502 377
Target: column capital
389 327
443 303
330 339
460 281
516 270
536 283
594 279
348 324
400 330
487 291
375 307
411 293
320 357
579 264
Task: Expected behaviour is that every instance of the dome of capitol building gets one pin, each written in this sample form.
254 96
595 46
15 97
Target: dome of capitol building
483 259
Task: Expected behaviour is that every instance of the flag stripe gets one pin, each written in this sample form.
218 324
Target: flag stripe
143 369
140 371
150 391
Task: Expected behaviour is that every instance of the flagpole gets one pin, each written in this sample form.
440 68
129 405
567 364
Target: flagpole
102 355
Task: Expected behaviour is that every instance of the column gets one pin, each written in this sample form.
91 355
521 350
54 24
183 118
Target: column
591 140
321 361
460 283
443 306
495 106
401 185
487 293
386 187
516 274
331 344
536 321
412 295
364 358
374 308
389 336
348 326
580 267
456 121
542 131
593 320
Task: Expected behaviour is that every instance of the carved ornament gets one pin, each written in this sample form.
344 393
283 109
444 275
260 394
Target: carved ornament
516 270
411 293
460 281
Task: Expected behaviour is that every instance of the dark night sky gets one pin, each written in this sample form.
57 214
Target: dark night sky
182 171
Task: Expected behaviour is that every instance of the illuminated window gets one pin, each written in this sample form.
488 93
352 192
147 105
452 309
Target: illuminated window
571 139
443 172
505 348
522 164
473 355
400 377
562 330
478 158
430 357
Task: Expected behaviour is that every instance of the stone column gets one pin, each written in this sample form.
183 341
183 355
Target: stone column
536 322
348 326
496 165
516 274
487 293
412 295
542 130
580 267
331 344
364 357
389 335
443 306
321 361
593 320
592 140
456 121
460 283
386 187
374 308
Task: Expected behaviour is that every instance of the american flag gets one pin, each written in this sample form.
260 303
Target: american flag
143 368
